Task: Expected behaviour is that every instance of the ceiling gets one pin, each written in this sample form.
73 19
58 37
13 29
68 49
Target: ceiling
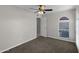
54 7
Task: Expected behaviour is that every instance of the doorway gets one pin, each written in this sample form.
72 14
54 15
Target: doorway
38 27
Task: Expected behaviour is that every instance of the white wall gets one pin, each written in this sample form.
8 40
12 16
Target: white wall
53 24
16 26
77 27
43 26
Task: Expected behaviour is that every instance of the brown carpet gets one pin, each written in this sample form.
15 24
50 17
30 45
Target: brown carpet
45 45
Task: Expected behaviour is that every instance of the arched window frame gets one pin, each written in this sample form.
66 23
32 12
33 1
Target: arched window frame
64 27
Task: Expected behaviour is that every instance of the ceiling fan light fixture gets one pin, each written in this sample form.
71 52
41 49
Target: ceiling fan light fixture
40 12
42 7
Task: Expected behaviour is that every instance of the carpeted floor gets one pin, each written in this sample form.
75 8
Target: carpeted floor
45 45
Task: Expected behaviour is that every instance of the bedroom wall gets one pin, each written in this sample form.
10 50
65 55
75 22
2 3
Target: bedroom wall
16 27
53 24
77 27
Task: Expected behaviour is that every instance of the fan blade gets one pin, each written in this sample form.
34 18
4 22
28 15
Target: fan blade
36 12
33 9
44 12
48 10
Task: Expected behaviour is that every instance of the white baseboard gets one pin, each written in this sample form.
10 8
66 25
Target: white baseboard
16 45
62 39
77 47
78 50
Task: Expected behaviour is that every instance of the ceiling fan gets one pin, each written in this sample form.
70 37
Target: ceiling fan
41 9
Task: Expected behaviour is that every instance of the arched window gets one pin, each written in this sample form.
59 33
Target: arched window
64 27
64 18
